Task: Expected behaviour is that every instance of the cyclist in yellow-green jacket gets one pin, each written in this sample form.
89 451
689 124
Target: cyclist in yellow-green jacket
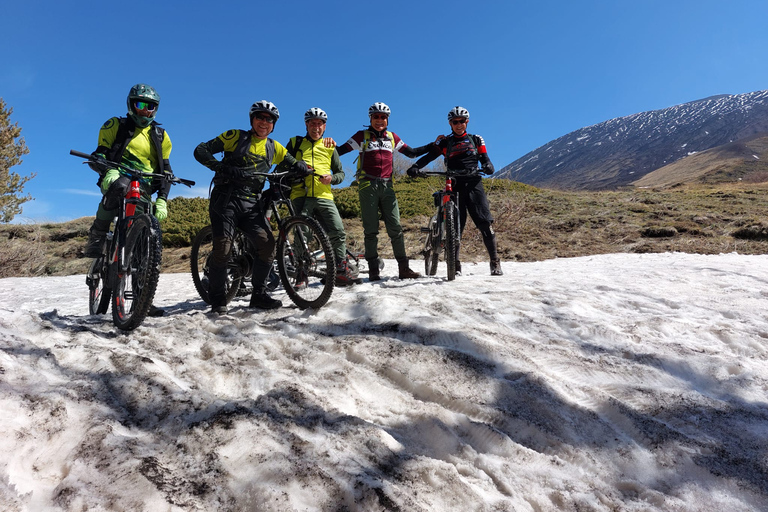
313 196
138 142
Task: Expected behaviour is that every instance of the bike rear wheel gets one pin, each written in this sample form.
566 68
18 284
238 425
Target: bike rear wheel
451 240
199 260
305 262
136 286
99 291
432 248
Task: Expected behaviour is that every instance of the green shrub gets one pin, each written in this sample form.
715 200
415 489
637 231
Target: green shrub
186 216
347 202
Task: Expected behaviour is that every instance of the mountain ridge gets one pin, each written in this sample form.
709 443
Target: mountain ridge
620 151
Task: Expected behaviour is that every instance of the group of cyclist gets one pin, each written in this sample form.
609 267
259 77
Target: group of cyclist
235 202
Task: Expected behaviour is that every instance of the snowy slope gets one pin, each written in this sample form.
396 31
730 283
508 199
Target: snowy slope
619 382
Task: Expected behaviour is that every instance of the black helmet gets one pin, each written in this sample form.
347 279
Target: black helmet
315 113
142 92
264 106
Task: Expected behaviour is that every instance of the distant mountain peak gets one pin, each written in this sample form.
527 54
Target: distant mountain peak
619 151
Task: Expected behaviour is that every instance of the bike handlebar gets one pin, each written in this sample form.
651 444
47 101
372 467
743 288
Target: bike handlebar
452 174
133 172
276 176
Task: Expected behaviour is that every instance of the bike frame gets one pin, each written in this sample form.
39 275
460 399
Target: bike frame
110 271
123 223
447 198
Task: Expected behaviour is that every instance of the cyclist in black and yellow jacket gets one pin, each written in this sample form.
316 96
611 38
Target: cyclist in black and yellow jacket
313 196
138 142
236 200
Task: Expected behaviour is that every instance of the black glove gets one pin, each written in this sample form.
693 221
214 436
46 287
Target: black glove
486 171
230 173
303 169
98 163
415 172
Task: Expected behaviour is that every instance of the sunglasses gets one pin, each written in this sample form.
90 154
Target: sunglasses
268 119
458 121
379 116
143 105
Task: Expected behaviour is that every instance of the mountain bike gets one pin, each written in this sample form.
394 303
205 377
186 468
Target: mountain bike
127 271
443 230
304 256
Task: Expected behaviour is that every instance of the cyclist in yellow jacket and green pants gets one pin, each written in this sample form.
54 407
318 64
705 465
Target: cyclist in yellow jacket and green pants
313 196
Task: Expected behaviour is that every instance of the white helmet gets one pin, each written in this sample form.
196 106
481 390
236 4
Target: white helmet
315 113
264 106
379 108
458 111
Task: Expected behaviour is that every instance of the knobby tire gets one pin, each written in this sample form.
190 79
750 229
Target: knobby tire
432 248
306 268
199 260
135 288
451 239
99 292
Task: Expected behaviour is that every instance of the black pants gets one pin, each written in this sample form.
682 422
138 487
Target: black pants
472 200
228 213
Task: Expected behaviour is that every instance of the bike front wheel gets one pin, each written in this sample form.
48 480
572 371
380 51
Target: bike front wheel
432 248
137 282
99 291
305 262
451 240
199 262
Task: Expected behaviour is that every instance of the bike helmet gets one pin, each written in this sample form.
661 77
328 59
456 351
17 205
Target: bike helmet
315 113
264 106
379 108
458 111
142 92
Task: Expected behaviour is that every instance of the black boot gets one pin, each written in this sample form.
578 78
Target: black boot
496 267
264 301
155 311
405 271
97 235
373 270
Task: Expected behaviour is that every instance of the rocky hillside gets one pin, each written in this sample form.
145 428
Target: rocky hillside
745 160
620 151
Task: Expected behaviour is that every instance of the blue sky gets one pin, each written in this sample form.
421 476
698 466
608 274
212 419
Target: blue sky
528 72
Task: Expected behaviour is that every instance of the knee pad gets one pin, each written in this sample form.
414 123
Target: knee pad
115 193
222 246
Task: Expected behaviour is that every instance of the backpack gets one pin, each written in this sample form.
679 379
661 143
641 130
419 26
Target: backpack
254 186
244 143
124 136
449 146
367 136
293 148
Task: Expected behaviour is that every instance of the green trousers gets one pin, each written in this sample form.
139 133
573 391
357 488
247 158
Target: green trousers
378 197
325 211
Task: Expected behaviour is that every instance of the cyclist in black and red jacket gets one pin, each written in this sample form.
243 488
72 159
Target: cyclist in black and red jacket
465 152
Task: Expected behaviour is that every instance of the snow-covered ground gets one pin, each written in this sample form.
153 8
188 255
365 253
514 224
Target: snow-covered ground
621 382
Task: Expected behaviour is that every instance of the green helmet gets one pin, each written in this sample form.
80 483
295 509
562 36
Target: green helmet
142 92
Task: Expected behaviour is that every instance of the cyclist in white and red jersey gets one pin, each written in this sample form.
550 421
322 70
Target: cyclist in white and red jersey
374 174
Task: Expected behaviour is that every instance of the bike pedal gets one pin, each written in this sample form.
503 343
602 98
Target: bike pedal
425 230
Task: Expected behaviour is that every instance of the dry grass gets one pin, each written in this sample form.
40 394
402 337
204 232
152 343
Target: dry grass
531 225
